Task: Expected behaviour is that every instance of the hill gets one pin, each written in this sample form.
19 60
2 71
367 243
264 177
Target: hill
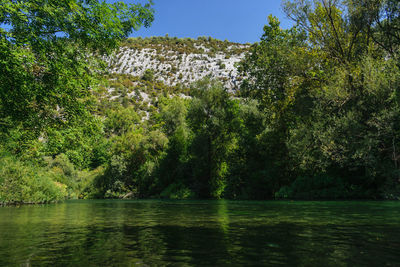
176 61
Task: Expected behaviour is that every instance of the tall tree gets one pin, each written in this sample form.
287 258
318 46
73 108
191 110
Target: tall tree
50 56
327 86
212 118
280 72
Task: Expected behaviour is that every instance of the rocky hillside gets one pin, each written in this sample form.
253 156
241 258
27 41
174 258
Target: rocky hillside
174 61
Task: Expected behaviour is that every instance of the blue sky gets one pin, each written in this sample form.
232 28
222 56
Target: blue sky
236 20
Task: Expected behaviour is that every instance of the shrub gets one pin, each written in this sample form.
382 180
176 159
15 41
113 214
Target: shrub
148 75
316 187
177 191
24 183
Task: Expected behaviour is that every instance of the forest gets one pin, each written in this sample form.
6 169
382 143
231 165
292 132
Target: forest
317 115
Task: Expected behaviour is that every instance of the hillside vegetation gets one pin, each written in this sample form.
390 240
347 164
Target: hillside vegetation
310 112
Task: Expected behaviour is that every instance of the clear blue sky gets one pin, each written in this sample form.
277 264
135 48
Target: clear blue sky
236 20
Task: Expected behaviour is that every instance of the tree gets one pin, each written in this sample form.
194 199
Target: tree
347 29
281 72
328 86
380 20
212 117
148 75
50 57
359 42
173 169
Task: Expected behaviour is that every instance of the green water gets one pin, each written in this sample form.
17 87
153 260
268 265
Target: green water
205 233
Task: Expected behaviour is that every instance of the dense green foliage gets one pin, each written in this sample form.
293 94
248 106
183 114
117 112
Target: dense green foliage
329 88
23 183
47 73
317 115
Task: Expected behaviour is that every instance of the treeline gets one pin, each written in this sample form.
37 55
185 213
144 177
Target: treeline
329 88
201 147
187 45
317 117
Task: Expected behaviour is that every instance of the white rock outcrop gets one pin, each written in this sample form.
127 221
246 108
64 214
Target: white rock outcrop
173 67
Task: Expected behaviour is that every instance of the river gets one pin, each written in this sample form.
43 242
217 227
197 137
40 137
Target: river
201 233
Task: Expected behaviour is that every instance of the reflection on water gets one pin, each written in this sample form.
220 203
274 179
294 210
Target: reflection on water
210 233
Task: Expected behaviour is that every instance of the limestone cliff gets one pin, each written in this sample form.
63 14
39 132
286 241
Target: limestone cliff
180 61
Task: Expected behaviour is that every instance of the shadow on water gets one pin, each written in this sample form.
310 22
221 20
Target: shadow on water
153 233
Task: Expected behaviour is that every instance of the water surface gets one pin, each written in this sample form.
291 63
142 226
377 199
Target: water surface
201 233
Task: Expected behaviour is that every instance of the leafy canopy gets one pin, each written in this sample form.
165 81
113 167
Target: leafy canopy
50 55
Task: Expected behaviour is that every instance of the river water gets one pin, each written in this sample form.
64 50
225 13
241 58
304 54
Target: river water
201 233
